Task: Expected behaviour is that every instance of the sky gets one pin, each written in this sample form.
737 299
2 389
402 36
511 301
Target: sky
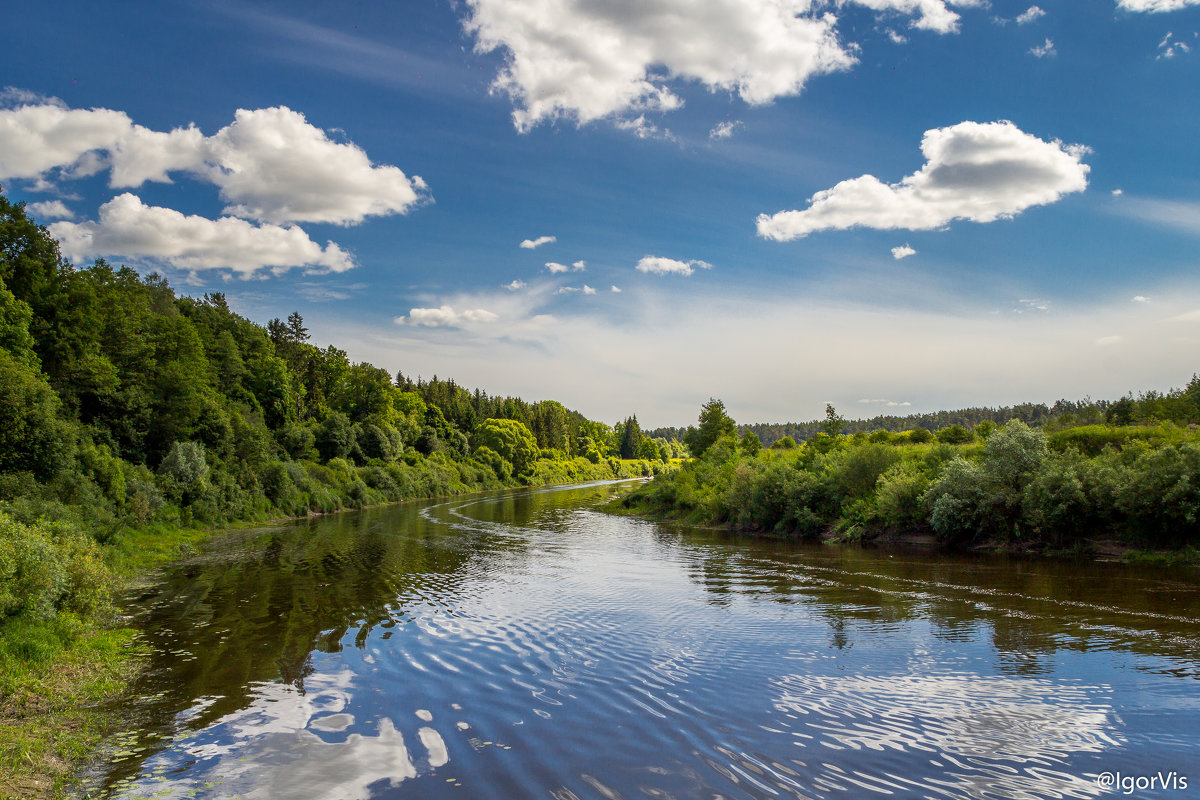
631 206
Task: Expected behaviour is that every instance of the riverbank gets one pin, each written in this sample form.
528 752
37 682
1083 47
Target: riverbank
924 541
1017 492
62 675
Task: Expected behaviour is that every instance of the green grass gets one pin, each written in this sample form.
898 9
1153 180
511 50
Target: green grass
56 677
1187 556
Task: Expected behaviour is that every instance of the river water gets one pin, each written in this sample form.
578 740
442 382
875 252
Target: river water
526 645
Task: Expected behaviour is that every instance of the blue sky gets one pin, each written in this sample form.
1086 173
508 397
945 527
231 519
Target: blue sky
890 205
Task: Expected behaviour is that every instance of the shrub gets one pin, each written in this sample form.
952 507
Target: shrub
1161 494
959 501
47 568
898 495
955 434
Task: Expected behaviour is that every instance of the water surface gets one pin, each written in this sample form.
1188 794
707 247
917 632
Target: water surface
526 645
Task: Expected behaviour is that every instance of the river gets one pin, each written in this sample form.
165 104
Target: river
526 645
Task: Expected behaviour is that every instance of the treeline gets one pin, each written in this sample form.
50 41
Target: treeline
1012 485
1146 408
125 405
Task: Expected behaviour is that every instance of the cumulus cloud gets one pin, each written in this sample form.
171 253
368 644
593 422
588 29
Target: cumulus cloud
533 244
515 286
657 265
556 267
445 316
586 61
127 228
724 130
1031 14
615 288
1140 299
1043 50
975 171
903 251
1118 192
579 266
50 209
270 164
35 139
1155 6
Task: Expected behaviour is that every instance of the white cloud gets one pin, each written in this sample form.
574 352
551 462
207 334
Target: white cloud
903 251
588 289
533 244
1140 299
515 286
35 139
555 267
1170 47
885 402
50 209
272 165
1043 50
657 265
141 155
269 164
1029 15
127 228
1118 192
643 129
723 130
585 289
931 15
616 288
445 316
897 38
1181 215
1156 6
585 61
974 171
1028 304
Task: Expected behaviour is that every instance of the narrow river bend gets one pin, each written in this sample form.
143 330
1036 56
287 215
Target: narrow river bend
525 645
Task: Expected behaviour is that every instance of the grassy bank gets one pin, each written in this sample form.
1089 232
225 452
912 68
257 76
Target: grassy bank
65 655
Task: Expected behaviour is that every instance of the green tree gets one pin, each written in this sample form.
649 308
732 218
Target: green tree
630 445
714 424
750 444
834 422
511 440
1120 412
32 437
15 316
